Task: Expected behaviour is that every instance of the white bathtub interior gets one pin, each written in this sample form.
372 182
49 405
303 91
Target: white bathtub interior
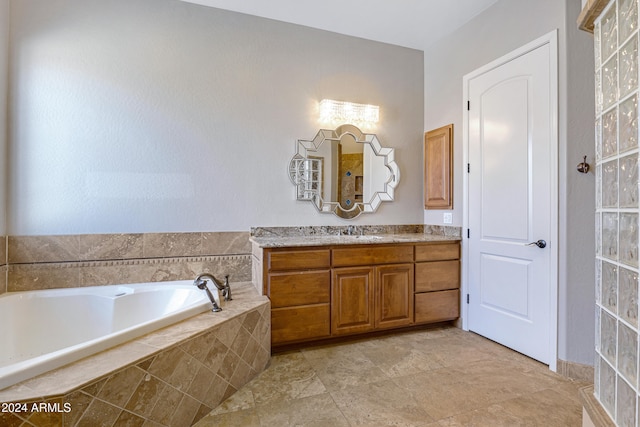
44 330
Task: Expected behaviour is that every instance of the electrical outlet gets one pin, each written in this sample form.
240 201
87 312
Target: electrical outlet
447 218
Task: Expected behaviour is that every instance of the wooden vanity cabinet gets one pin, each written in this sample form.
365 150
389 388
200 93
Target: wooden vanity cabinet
437 283
334 291
298 283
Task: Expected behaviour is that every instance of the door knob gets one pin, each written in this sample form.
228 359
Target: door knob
540 243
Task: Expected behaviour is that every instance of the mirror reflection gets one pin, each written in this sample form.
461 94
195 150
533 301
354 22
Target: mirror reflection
344 171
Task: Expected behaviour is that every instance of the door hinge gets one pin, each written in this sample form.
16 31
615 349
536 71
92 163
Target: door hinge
467 298
468 105
468 167
468 233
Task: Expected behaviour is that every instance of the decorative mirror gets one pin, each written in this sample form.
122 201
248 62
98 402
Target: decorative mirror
344 171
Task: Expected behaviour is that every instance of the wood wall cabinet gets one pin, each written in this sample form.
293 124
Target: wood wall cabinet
322 292
438 168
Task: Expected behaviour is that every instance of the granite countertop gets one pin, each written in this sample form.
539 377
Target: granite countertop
367 239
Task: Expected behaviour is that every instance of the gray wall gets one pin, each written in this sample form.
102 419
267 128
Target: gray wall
160 115
502 28
4 57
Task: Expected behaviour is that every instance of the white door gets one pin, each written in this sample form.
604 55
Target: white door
512 207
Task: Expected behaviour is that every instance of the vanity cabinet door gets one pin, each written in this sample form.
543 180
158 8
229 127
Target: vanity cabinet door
368 298
298 259
352 300
299 323
299 288
437 251
367 255
394 296
437 306
437 276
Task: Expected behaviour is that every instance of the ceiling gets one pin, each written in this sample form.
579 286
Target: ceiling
409 23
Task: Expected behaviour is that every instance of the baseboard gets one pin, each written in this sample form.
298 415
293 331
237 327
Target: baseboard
575 371
593 414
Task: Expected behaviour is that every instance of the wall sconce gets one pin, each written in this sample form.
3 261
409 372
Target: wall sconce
348 112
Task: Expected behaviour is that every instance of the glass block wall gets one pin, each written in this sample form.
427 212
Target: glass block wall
616 59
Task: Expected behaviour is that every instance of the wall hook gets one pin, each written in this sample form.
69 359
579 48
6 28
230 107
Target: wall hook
584 166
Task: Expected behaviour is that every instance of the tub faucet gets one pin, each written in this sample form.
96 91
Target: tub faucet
201 283
226 292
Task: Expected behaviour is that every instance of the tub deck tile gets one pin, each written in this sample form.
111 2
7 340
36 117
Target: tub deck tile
140 384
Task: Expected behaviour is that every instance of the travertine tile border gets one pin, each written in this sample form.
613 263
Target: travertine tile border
45 262
575 371
596 413
101 247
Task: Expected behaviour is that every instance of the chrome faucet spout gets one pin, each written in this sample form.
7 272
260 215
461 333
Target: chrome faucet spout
201 283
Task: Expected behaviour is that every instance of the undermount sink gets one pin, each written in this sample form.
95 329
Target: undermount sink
370 237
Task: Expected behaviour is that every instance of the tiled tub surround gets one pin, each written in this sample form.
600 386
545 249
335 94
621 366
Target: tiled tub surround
44 262
170 377
617 209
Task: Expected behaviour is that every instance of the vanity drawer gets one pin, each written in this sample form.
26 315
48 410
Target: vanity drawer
437 276
302 323
371 255
299 288
303 259
437 306
437 251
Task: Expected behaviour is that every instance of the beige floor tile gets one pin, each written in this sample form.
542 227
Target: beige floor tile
446 399
545 408
397 360
380 404
244 418
289 376
240 401
313 411
442 377
343 366
493 416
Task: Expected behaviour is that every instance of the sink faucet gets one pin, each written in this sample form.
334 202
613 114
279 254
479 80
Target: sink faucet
350 230
201 283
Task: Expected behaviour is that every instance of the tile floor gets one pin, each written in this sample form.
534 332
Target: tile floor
436 378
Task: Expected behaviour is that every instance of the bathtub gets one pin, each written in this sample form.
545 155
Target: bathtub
44 330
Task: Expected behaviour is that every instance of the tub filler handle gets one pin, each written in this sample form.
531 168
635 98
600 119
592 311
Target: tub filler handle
226 292
201 282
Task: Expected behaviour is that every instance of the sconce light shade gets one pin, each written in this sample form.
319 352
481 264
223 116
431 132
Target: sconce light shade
348 112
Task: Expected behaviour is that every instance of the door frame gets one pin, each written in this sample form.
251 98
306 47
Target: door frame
551 39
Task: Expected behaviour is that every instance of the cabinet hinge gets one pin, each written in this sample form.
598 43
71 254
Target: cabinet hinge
467 298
